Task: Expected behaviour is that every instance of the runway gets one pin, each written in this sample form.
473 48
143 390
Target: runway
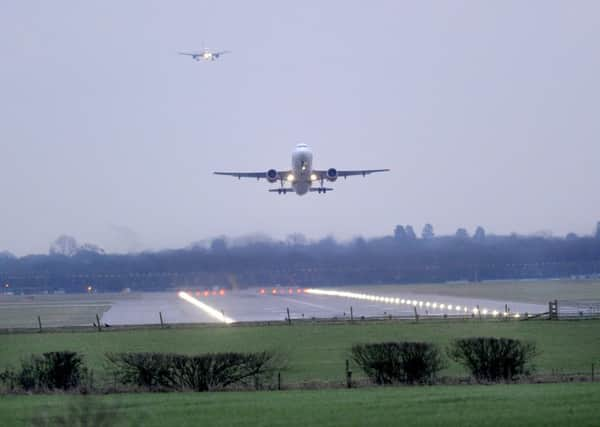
272 304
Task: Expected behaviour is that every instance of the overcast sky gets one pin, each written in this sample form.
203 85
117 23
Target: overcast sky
488 113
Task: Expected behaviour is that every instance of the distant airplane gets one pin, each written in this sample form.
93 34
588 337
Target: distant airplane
206 54
302 176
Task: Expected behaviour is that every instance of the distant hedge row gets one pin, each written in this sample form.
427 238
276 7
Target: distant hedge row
487 359
64 370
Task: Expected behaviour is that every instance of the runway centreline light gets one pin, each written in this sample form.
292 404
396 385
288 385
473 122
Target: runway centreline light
414 303
212 312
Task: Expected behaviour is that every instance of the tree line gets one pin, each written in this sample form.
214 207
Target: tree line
400 257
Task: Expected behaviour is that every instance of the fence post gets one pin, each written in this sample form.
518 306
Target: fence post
416 314
553 310
479 311
592 372
40 323
348 374
279 380
351 314
289 319
162 324
98 322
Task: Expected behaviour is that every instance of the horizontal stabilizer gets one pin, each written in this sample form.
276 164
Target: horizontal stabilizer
281 190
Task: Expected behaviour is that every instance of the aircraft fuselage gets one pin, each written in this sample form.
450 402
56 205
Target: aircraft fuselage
301 177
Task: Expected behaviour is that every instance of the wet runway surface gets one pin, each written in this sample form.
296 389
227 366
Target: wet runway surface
254 305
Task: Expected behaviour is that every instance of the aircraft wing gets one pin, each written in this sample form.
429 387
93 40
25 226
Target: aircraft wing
258 175
190 53
223 52
347 173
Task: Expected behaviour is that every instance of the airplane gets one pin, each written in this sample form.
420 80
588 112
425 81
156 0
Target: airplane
206 54
302 176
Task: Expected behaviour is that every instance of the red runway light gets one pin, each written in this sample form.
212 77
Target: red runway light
214 292
262 291
274 291
222 292
197 293
290 291
206 293
298 291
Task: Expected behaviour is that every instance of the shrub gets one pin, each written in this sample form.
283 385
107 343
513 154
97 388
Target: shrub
151 370
54 370
199 372
405 362
491 359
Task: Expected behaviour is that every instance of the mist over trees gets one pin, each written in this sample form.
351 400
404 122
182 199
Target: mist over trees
259 260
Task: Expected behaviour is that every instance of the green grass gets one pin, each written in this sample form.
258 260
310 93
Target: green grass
503 405
318 351
18 311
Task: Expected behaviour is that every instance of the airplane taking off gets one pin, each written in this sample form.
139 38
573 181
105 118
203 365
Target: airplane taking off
302 176
206 54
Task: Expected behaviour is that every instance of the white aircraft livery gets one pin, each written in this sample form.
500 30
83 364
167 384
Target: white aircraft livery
206 54
302 175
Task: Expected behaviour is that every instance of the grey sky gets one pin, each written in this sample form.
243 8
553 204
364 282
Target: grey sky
486 112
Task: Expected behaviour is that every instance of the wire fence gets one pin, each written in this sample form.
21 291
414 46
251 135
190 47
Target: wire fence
578 309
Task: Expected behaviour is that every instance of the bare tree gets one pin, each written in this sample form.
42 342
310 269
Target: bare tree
479 235
64 245
399 233
410 233
462 234
427 232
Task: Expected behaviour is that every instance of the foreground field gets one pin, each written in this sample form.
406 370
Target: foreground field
505 405
314 351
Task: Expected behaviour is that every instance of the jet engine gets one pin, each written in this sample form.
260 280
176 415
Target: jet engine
272 175
332 174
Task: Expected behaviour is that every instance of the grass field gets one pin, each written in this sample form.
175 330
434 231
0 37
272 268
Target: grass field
574 404
21 311
318 351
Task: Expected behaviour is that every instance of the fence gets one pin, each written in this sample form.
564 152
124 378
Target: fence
566 309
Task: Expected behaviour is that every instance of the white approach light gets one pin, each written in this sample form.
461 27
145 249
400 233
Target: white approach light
290 177
214 313
392 300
